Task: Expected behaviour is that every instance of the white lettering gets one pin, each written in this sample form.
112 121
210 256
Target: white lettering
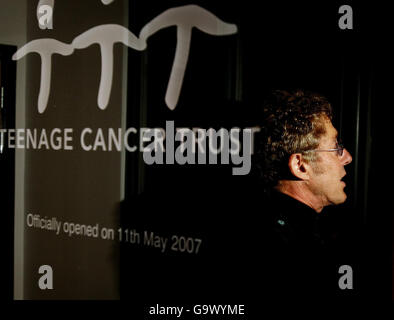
185 18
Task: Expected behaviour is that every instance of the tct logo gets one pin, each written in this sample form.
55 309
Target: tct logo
185 18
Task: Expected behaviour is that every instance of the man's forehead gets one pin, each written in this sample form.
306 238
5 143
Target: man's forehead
330 128
331 132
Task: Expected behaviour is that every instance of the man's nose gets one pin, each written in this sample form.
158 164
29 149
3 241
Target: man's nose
346 157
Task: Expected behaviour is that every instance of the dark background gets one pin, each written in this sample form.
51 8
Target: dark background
278 45
7 166
281 45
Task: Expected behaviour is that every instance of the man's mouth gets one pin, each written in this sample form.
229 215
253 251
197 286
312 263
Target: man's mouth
342 179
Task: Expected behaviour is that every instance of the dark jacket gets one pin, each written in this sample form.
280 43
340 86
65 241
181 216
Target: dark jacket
251 249
303 251
301 255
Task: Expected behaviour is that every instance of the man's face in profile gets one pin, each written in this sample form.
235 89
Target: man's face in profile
328 170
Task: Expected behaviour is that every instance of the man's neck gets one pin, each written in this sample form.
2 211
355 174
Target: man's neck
299 191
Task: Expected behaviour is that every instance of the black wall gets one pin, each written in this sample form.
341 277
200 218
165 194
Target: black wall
7 165
278 45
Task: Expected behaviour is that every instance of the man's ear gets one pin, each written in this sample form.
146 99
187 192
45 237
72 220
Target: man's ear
298 167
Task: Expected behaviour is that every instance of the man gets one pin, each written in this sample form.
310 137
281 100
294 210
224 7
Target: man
301 154
302 164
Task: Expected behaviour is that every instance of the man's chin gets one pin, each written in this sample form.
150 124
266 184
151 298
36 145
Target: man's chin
339 199
342 199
